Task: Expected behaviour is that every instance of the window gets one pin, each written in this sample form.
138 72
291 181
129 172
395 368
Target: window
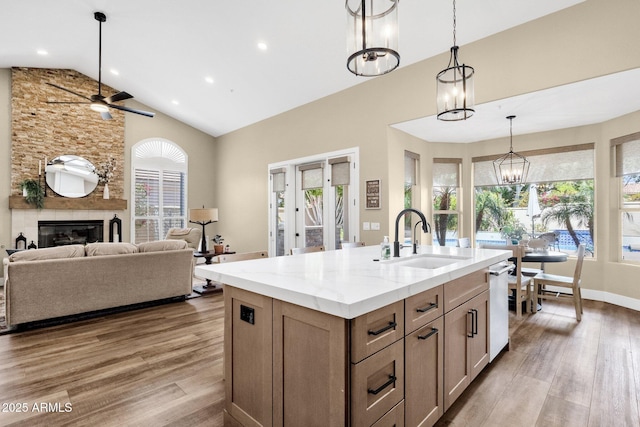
159 170
446 216
564 190
340 179
627 165
411 190
277 204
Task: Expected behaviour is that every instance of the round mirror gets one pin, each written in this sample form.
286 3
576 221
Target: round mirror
71 176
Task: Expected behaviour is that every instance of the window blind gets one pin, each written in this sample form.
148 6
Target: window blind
278 180
312 175
569 163
411 168
340 170
446 172
627 154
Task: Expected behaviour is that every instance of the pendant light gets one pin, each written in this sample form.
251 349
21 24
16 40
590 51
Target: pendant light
372 37
511 168
454 97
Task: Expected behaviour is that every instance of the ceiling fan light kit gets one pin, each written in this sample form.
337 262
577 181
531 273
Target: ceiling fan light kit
454 90
99 102
372 37
511 168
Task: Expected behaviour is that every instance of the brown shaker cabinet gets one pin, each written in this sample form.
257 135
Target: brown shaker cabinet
402 364
466 345
424 355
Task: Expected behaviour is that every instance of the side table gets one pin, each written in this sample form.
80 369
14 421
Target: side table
210 287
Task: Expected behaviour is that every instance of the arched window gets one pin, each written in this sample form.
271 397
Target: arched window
159 191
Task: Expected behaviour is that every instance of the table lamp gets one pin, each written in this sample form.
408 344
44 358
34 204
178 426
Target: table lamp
203 217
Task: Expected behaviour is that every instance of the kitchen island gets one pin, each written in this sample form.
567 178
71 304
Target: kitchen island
340 338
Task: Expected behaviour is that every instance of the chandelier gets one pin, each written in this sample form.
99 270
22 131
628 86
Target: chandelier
454 96
511 168
372 37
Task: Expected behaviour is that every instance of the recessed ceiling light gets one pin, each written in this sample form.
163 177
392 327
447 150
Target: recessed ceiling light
115 72
262 46
209 80
42 52
175 102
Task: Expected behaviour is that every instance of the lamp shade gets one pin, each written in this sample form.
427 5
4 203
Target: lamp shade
372 36
203 215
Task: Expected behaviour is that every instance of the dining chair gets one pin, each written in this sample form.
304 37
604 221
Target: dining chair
519 284
543 280
308 249
346 245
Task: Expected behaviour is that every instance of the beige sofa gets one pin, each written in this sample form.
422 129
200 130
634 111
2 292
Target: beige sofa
69 280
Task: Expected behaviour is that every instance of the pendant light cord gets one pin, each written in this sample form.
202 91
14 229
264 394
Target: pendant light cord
454 22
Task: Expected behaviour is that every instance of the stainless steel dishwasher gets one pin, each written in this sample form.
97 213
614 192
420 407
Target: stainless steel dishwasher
499 300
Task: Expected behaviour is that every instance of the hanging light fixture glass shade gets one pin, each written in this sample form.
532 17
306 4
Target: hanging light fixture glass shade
454 90
511 168
372 37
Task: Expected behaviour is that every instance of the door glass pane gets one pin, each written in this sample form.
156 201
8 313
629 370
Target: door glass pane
280 207
342 215
313 226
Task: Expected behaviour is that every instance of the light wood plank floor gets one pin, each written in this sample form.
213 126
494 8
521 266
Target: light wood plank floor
162 366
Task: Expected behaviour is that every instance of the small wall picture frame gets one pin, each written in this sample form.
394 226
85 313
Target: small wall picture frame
373 194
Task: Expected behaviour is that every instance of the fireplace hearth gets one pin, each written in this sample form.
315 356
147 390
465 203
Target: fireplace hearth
60 233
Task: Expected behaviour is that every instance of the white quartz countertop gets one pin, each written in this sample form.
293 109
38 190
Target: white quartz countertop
348 283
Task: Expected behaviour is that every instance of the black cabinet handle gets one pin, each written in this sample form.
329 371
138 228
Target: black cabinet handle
431 306
392 379
470 334
391 325
474 331
424 337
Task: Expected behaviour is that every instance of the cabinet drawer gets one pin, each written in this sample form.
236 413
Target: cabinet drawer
423 308
461 290
377 384
374 331
393 418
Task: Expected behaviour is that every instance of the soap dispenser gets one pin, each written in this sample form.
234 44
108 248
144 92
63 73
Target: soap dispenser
385 248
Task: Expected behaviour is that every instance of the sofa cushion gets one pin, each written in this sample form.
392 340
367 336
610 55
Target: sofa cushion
97 249
69 251
162 245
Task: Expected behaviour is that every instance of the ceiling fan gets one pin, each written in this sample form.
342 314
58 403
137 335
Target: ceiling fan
99 102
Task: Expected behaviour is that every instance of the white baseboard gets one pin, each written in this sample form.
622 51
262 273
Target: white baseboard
622 301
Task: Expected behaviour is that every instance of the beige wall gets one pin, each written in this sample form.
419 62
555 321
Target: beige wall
6 240
591 39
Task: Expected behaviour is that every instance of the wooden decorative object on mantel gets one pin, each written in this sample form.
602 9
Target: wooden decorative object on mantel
18 202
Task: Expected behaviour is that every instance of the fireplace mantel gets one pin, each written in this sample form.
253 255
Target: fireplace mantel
19 202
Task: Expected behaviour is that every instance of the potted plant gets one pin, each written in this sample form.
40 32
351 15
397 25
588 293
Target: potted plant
218 247
33 192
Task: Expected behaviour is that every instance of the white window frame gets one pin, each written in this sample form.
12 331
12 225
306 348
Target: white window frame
628 145
161 155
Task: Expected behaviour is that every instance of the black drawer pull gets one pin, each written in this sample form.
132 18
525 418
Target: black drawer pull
470 334
392 379
431 306
391 325
424 337
475 321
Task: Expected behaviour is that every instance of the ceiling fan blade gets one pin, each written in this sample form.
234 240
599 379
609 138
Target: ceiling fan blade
106 116
120 96
131 110
70 91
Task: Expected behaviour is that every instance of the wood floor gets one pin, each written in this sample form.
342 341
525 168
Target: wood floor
162 366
